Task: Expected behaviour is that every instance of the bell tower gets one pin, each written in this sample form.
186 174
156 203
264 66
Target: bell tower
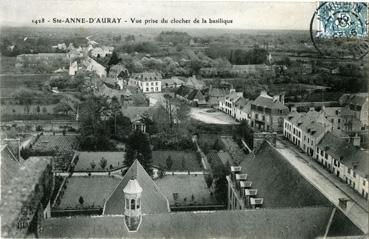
132 204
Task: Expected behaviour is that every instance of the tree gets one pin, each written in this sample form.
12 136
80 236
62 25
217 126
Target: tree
221 186
93 164
169 162
38 109
44 110
103 162
95 133
81 200
208 180
138 147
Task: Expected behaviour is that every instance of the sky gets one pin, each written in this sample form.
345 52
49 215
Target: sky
284 15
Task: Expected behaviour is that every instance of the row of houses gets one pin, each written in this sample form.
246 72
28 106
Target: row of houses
265 113
316 135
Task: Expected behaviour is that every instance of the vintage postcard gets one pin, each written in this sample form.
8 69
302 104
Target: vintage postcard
184 119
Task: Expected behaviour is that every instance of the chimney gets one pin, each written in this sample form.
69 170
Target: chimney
356 140
235 170
249 193
263 93
256 203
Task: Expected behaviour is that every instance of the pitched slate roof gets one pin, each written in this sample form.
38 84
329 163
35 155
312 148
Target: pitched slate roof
19 191
262 223
9 165
269 103
348 154
153 201
278 182
355 99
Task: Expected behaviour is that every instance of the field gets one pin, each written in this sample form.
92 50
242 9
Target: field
183 161
95 190
185 186
115 159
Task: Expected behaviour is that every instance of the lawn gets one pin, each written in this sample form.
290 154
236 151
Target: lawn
63 143
95 190
188 190
115 159
183 161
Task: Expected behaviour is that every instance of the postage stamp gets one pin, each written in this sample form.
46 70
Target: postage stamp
341 23
342 19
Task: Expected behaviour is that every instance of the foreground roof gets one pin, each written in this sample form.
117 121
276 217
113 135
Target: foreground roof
19 191
153 201
278 182
262 223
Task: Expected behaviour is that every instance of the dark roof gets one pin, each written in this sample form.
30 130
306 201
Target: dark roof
348 154
153 201
262 223
355 99
190 93
9 165
278 182
147 76
269 103
19 191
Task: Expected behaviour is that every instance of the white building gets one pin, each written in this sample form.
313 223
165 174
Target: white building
344 160
228 105
148 82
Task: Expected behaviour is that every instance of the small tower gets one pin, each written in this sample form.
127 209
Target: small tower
132 204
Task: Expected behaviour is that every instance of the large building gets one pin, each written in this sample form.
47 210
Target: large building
149 82
267 113
354 112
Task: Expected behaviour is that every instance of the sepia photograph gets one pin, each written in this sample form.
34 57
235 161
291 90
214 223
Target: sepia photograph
184 119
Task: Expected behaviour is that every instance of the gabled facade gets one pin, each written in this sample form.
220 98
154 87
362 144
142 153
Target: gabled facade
228 105
149 82
267 113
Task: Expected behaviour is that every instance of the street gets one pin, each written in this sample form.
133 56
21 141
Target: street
355 211
211 116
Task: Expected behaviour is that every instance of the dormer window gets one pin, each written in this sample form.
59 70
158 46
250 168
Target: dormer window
132 204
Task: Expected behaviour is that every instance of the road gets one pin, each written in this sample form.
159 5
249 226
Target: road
305 165
211 116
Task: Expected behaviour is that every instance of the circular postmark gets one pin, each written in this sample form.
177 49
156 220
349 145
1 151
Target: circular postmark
340 29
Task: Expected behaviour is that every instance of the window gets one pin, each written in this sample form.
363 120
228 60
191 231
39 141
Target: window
156 89
308 140
349 171
364 182
321 152
326 156
147 89
132 204
138 203
156 83
354 173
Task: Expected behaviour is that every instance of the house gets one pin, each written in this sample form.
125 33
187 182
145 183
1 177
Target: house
118 71
171 83
354 111
194 83
228 105
138 209
243 110
215 95
190 95
306 129
73 68
101 52
149 82
346 161
92 65
267 113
